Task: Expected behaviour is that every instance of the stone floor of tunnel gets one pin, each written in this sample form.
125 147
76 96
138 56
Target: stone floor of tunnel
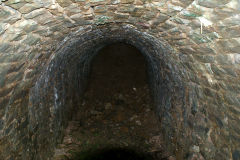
127 121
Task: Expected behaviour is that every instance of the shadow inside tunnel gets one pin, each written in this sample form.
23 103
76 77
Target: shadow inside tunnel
112 154
116 109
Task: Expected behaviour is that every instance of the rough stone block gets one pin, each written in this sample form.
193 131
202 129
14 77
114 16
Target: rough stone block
64 3
27 8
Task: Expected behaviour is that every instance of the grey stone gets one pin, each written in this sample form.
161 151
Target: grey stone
231 99
126 1
4 13
1 124
17 76
217 70
160 19
102 19
5 47
236 155
97 2
205 59
45 19
126 9
16 4
8 58
199 38
212 3
190 14
121 16
195 149
64 3
3 72
27 25
27 8
9 15
100 9
16 36
35 13
232 32
31 40
3 27
224 59
237 58
195 156
231 21
230 71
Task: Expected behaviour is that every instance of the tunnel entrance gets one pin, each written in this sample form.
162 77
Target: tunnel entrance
116 109
94 92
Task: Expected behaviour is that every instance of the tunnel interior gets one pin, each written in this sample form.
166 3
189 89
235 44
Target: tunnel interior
112 153
119 68
116 108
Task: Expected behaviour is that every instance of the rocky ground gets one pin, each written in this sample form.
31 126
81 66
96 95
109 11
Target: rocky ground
127 121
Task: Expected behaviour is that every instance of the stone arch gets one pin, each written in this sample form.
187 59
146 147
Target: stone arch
54 94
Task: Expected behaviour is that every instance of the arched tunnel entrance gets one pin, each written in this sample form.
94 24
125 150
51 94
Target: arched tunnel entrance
113 91
116 110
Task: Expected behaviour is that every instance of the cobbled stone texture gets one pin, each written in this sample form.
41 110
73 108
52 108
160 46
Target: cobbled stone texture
191 47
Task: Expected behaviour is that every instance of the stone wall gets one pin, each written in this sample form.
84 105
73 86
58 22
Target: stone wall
192 50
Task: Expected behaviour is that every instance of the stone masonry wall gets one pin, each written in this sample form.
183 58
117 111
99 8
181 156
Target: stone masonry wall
203 37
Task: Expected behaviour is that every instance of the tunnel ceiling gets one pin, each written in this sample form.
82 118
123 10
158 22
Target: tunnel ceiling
195 45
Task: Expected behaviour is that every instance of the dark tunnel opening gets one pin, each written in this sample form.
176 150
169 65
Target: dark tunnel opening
113 154
122 112
116 109
117 69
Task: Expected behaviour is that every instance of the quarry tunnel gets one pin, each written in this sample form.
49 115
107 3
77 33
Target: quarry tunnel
181 57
